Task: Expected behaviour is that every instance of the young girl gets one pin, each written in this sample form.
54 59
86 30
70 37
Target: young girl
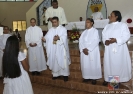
16 79
90 56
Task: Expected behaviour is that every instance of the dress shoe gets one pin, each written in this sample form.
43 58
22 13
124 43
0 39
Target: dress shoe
1 77
37 73
54 78
33 73
86 80
65 78
105 83
94 82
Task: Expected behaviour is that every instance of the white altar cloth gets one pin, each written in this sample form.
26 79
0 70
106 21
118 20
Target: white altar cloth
81 25
99 24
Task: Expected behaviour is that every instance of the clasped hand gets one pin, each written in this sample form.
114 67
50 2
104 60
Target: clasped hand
33 45
108 42
85 51
43 39
56 37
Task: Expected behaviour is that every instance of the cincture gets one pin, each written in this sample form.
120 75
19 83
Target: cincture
35 58
114 50
90 57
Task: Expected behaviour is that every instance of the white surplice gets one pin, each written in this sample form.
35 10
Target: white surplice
36 56
58 54
59 12
3 39
117 60
97 15
90 64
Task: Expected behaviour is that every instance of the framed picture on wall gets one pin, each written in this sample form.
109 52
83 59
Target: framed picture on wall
96 3
41 12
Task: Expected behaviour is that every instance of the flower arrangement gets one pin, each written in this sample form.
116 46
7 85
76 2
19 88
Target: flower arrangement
74 35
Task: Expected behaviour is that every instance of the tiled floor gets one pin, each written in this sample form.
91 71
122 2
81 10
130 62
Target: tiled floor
1 86
45 89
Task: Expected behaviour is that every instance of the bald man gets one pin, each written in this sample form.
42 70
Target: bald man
97 15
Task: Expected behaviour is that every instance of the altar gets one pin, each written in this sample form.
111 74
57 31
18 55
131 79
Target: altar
99 24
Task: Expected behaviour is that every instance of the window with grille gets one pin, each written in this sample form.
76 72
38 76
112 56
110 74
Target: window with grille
20 25
19 0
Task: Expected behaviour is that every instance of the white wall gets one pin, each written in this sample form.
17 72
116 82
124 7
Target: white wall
14 11
74 9
124 6
77 8
31 13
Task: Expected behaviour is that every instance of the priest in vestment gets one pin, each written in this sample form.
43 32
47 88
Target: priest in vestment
89 53
97 15
3 39
117 61
57 11
57 50
33 39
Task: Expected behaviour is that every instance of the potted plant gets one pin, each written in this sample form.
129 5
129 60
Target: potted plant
74 35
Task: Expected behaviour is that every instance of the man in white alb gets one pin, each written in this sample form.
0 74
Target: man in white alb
3 39
57 50
97 15
33 39
57 11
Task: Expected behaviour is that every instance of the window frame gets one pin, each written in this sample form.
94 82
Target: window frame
18 1
21 25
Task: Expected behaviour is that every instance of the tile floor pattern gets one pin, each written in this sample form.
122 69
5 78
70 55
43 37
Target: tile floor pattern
45 89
